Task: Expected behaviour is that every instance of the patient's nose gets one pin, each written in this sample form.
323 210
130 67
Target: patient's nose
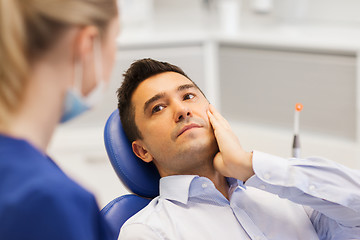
182 112
183 116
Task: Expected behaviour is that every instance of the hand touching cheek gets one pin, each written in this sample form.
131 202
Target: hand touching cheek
231 160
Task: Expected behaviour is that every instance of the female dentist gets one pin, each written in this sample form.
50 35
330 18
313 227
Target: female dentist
55 57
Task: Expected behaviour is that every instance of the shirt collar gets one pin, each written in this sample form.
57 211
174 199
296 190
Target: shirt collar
176 187
180 187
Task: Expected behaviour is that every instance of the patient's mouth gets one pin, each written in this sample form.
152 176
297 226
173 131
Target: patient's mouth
188 127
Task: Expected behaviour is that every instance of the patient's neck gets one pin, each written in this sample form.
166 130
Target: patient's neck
207 170
202 165
220 183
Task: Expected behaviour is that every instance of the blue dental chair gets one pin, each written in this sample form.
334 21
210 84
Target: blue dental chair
139 177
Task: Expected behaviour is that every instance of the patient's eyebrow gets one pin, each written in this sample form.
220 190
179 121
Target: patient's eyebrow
153 99
186 86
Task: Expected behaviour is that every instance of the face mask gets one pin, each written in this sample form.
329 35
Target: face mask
74 102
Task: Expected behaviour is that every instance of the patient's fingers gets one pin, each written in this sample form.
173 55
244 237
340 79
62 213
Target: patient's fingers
219 117
223 133
214 123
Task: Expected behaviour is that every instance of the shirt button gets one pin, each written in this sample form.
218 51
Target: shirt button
267 176
204 185
312 187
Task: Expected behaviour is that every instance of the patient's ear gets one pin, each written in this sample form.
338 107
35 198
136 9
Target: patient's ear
141 152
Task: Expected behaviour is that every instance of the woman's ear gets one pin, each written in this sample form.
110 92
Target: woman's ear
84 40
141 152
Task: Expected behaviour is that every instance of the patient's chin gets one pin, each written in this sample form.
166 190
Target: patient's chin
200 149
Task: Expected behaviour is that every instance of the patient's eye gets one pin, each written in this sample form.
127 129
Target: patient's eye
189 96
157 108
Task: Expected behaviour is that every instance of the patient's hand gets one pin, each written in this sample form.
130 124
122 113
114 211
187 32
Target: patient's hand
231 160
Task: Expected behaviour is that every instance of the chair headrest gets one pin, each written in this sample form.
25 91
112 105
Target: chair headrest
139 177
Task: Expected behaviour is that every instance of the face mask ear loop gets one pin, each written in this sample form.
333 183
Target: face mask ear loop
98 60
78 77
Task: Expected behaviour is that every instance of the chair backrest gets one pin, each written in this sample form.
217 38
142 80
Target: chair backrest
121 209
139 177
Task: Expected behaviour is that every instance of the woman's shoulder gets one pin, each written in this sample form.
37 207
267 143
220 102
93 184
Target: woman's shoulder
29 177
50 208
43 185
45 198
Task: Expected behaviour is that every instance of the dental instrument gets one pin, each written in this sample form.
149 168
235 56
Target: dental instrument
296 142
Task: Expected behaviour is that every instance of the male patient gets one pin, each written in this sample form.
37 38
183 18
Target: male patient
170 123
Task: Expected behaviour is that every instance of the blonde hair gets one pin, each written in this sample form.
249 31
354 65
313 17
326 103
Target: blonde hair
28 28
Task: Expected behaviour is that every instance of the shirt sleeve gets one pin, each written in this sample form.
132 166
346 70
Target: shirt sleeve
330 191
138 231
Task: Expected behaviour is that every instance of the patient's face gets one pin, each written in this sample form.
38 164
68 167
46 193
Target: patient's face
170 113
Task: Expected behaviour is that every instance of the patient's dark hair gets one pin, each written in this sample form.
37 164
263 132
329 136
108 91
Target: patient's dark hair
139 71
